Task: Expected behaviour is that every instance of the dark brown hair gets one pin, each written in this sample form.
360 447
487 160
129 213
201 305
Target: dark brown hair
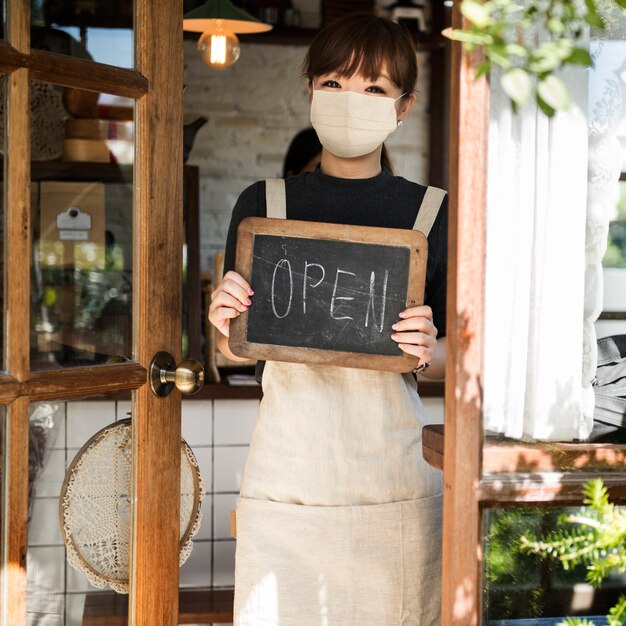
365 44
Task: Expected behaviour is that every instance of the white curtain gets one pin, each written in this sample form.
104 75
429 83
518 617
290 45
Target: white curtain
553 185
534 384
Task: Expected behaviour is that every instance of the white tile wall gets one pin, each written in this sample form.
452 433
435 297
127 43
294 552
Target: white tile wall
123 410
50 480
74 606
234 421
43 529
223 504
197 426
77 581
45 571
196 571
224 563
228 467
85 419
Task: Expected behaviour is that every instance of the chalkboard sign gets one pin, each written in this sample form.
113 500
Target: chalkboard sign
327 293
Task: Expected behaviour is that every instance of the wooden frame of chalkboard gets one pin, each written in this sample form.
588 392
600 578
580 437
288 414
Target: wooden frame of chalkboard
327 294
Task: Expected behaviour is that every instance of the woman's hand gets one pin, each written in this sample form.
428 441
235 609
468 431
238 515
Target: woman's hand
416 334
229 300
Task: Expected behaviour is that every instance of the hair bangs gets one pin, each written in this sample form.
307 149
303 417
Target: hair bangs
367 45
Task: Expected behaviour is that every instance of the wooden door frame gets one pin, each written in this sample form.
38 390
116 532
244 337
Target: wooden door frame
462 536
156 83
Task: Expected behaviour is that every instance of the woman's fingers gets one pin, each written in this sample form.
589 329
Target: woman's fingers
418 339
417 311
239 280
234 289
230 298
224 298
415 332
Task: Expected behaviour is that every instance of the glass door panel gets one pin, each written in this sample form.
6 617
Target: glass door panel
57 432
70 292
79 503
101 30
82 228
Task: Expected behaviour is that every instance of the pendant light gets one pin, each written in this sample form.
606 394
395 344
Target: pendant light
218 21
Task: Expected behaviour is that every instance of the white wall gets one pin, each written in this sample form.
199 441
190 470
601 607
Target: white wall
254 109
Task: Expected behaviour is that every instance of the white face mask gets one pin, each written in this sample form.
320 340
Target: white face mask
351 124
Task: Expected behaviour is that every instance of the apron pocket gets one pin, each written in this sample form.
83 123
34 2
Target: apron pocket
368 565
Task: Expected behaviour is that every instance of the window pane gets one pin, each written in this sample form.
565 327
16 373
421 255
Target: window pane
522 586
82 207
99 30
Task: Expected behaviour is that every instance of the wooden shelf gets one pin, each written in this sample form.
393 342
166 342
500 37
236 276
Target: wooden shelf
503 455
223 391
518 473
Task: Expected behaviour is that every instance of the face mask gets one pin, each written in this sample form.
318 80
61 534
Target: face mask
351 124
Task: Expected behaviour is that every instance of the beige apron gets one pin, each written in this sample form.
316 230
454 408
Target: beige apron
339 516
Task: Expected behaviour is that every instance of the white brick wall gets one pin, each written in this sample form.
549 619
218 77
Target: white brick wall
254 109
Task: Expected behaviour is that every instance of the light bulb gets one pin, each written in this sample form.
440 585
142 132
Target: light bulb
218 48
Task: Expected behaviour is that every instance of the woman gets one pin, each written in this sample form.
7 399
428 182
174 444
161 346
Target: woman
338 520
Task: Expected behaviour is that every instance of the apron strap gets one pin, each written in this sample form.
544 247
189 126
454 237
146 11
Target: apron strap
275 199
276 204
427 213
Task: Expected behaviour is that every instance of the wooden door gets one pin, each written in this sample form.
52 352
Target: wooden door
155 86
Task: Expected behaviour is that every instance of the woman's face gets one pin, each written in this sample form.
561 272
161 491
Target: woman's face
383 86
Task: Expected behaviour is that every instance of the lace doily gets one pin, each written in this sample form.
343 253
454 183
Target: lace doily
47 120
95 506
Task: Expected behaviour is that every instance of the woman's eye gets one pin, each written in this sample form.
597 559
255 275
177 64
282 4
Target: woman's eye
331 83
375 89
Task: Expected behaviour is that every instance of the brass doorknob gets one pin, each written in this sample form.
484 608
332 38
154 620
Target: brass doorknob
188 377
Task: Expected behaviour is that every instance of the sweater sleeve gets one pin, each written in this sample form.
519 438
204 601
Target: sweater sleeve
251 203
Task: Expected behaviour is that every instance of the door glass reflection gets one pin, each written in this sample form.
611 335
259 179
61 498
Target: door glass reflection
520 587
99 30
82 202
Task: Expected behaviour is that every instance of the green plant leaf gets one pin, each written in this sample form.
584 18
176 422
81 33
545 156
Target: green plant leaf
593 17
620 3
517 50
476 12
482 69
466 36
517 85
497 54
545 59
553 92
617 614
556 26
549 112
580 56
